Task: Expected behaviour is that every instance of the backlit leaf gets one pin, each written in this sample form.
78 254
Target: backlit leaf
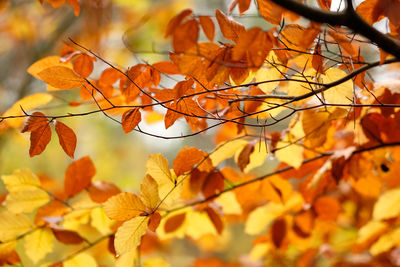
292 154
130 119
20 180
186 159
387 205
38 244
26 200
158 167
226 150
78 176
229 28
100 191
149 192
176 21
129 235
13 225
45 63
208 27
123 206
40 137
83 65
327 208
80 260
61 77
339 94
66 137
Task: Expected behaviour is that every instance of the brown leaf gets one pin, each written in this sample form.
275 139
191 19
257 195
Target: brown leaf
213 184
100 191
244 156
186 159
66 137
40 137
154 222
34 122
78 176
208 27
216 219
278 232
317 59
230 29
67 237
83 65
130 119
174 222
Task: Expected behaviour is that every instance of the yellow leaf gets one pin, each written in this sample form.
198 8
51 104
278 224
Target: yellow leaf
226 150
270 108
386 242
149 192
261 217
129 235
340 94
199 224
128 259
229 203
370 230
258 156
300 85
20 180
27 103
156 262
26 200
45 63
13 225
123 206
81 260
387 205
100 221
38 244
158 168
7 248
292 154
60 77
268 73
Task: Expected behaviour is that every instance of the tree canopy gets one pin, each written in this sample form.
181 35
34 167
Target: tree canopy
288 112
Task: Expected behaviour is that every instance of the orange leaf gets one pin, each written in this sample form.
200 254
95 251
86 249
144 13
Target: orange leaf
154 221
176 21
270 12
230 29
60 77
244 156
83 65
66 137
123 206
78 176
186 159
53 209
100 191
327 208
75 5
166 67
110 76
208 27
40 137
130 119
216 219
244 5
325 4
34 122
213 184
174 222
67 237
185 36
372 10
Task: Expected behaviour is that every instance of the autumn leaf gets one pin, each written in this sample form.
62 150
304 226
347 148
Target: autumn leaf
208 27
149 192
386 207
38 244
80 260
13 225
186 159
130 119
66 137
229 28
124 206
21 180
78 176
26 200
339 94
83 64
100 191
129 235
67 237
61 77
40 137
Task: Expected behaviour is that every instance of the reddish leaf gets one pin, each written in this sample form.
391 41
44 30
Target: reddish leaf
216 219
34 122
40 137
66 137
208 27
278 232
67 237
213 184
229 28
186 159
317 59
244 156
83 65
154 221
130 119
174 222
100 191
176 21
78 176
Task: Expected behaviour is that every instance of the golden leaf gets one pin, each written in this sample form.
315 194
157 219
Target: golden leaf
13 225
26 200
129 235
81 260
38 244
123 206
20 180
61 77
387 205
